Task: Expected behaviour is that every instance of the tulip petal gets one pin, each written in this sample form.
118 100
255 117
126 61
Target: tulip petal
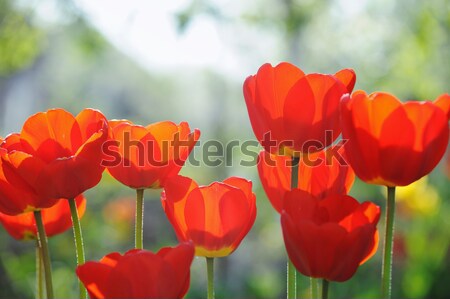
51 135
173 200
260 124
430 141
362 121
20 174
72 176
348 78
275 177
443 102
351 251
149 267
179 258
340 207
240 183
95 276
311 109
272 87
91 121
324 174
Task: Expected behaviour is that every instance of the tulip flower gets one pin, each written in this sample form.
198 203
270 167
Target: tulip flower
144 157
392 143
56 155
56 220
139 274
291 112
329 238
321 174
214 218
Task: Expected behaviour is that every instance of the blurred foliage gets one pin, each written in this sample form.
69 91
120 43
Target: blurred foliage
20 41
194 9
397 46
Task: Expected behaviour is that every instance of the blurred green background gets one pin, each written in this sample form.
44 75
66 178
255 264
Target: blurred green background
186 61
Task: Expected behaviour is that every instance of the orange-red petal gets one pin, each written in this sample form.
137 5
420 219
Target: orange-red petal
348 78
56 219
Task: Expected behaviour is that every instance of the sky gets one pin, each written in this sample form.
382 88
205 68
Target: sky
147 31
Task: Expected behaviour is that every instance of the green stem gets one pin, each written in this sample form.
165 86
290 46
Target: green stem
325 284
210 273
139 221
291 271
78 241
291 280
386 274
39 276
42 239
314 288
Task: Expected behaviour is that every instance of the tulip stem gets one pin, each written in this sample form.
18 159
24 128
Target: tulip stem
79 247
386 274
139 220
325 284
291 280
43 245
39 276
314 288
210 273
291 271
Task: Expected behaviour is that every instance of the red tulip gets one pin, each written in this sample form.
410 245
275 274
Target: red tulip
139 274
329 238
392 143
144 157
215 218
56 155
320 174
290 111
56 220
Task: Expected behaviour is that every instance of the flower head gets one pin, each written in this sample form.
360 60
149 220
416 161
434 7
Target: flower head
139 274
291 111
393 143
144 157
329 238
56 155
215 218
